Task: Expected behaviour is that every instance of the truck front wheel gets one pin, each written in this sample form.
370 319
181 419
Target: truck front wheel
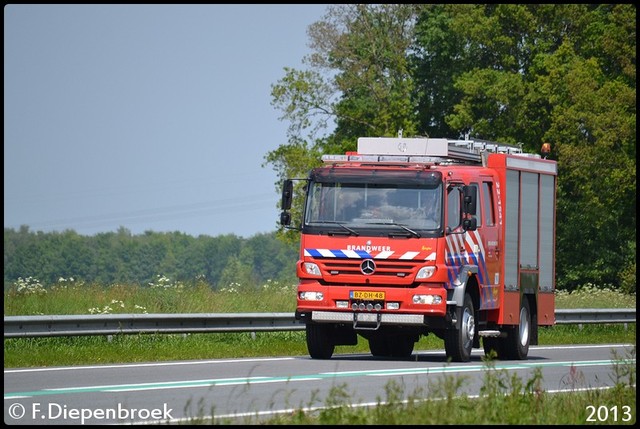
319 342
458 342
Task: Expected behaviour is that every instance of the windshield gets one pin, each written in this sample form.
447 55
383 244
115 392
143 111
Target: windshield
355 205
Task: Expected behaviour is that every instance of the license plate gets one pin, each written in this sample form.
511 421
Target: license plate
367 295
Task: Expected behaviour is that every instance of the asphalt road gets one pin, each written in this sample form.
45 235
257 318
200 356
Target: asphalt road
252 388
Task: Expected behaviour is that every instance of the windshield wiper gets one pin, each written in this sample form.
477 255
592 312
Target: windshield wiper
351 231
406 228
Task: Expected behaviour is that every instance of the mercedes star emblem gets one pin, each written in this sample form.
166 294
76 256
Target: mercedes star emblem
367 267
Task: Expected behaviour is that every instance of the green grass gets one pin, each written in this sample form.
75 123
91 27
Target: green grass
56 351
162 297
590 296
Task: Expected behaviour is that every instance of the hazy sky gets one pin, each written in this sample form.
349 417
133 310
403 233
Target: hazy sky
149 117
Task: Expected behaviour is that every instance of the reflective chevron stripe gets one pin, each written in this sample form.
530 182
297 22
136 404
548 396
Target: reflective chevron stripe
361 254
465 249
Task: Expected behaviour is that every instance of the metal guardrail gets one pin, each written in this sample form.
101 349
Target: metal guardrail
595 315
112 324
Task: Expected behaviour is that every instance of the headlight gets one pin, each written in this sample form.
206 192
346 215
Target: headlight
425 272
311 268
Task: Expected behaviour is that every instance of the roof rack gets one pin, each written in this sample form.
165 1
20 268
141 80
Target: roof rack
434 150
472 150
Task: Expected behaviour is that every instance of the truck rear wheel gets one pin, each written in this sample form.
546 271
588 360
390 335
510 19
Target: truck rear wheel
319 341
519 337
379 346
458 342
391 345
495 345
401 345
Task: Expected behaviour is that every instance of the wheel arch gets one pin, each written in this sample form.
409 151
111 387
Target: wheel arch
467 282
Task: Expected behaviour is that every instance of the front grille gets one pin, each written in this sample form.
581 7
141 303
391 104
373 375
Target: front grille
384 268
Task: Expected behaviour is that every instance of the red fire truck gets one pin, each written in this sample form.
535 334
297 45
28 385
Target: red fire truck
415 236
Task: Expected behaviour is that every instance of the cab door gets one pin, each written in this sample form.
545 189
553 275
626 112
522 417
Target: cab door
487 235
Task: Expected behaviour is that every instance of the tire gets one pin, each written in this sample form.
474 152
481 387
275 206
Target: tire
519 337
379 347
495 345
458 342
319 341
491 345
401 346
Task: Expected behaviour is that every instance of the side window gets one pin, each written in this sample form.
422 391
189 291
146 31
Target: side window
313 204
322 202
487 203
478 214
454 198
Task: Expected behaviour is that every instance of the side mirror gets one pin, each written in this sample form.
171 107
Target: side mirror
287 194
470 197
470 224
285 218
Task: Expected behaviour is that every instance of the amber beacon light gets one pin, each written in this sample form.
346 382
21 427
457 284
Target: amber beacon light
546 150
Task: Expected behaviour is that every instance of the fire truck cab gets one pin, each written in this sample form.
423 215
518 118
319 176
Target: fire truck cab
415 236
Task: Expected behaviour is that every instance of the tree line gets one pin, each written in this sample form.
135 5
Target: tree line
515 73
122 258
563 74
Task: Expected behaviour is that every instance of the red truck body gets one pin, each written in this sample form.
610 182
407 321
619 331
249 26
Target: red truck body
409 237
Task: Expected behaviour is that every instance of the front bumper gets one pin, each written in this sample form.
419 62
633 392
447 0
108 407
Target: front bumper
382 318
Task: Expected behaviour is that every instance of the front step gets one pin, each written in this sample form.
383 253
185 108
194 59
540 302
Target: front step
489 333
